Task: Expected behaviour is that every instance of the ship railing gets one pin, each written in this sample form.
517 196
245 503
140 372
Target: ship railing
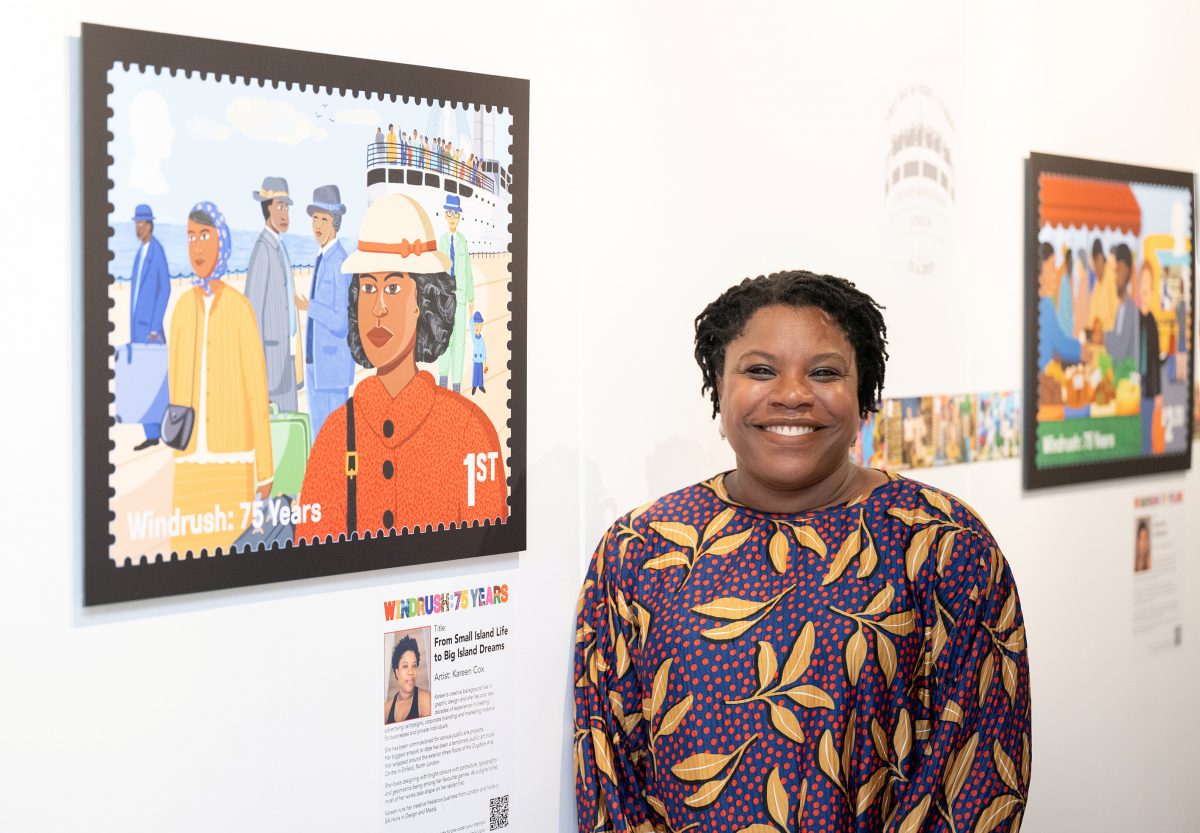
384 155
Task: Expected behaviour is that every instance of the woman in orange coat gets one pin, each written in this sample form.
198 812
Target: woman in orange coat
402 453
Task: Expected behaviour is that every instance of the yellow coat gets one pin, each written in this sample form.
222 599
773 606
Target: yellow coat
236 409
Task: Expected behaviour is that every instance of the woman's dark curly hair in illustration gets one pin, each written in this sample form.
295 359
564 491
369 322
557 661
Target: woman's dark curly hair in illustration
854 311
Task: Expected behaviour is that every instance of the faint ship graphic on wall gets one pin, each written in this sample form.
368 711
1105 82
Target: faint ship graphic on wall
429 176
919 188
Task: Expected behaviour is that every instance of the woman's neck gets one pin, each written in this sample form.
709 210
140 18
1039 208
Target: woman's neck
396 376
840 487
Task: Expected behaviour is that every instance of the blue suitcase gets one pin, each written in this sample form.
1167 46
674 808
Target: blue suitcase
141 383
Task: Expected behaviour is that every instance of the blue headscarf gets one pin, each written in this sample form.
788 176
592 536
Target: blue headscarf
223 237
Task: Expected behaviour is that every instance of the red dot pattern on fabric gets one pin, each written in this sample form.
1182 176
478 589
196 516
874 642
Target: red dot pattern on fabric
684 649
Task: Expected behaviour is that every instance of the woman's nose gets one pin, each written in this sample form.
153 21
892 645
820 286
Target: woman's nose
791 391
379 310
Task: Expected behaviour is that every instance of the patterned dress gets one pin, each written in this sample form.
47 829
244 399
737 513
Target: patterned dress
856 668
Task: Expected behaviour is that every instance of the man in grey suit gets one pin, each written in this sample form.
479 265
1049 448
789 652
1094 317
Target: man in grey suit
272 293
1122 342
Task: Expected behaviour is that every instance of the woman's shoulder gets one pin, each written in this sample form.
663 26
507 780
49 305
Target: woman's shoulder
919 505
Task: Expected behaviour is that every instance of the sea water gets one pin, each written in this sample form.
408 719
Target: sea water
301 248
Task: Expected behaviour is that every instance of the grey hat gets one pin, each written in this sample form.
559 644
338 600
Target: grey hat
326 198
273 188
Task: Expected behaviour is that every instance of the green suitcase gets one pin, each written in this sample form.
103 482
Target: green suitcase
291 439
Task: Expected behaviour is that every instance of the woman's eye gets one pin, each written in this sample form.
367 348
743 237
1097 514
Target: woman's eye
826 373
392 289
759 371
204 235
367 289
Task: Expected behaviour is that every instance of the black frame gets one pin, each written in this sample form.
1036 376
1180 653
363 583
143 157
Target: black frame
1035 478
104 581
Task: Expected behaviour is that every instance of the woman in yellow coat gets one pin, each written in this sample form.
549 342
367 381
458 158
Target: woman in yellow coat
216 367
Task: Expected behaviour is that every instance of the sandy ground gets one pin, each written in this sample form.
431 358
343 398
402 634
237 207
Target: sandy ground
142 480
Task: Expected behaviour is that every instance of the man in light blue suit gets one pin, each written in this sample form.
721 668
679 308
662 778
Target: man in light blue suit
329 367
150 287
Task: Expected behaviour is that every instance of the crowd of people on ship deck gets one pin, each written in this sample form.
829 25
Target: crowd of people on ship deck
414 150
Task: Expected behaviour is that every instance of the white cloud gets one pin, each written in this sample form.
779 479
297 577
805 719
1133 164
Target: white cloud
268 121
320 134
153 137
201 128
364 117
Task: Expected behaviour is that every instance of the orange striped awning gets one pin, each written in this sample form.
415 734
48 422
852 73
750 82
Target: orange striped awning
1087 203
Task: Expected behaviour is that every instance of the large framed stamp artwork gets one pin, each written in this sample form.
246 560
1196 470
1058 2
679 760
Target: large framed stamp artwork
1109 320
304 314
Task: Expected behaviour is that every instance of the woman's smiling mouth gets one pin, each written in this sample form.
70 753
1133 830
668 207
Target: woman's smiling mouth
789 430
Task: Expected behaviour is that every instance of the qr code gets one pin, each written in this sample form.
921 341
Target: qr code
499 812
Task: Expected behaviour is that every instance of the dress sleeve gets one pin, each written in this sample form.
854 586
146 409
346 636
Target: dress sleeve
970 753
611 761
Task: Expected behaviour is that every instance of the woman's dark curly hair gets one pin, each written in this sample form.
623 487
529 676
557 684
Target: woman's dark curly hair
435 322
855 312
406 643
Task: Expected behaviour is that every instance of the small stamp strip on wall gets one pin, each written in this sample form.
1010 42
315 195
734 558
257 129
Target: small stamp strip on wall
304 314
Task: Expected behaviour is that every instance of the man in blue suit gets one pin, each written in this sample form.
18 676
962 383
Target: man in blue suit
150 287
329 367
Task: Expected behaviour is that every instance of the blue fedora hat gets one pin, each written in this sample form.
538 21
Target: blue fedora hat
143 212
273 188
326 198
453 203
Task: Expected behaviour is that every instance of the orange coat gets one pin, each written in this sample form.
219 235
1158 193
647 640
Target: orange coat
236 410
411 469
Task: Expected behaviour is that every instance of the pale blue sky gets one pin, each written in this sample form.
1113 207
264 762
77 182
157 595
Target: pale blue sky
179 140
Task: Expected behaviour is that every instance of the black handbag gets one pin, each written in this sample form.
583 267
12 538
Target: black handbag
178 421
177 426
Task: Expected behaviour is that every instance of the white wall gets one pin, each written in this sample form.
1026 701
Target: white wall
236 710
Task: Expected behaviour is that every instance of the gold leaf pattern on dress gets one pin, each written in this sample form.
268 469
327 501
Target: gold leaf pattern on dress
730 608
786 723
918 551
996 812
902 739
879 740
602 753
730 631
880 602
1008 670
767 665
848 741
827 758
1016 640
869 558
707 793
938 501
777 799
912 517
806 536
1005 767
778 551
799 657
674 717
952 713
986 670
912 822
671 559
945 549
759 827
684 535
705 765
718 522
810 697
658 689
622 656
856 654
1008 612
958 766
1025 761
868 791
849 548
885 652
901 623
723 546
800 802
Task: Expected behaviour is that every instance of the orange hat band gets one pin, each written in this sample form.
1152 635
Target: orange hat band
403 248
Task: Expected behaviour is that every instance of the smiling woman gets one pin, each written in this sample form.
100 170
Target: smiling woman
801 642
